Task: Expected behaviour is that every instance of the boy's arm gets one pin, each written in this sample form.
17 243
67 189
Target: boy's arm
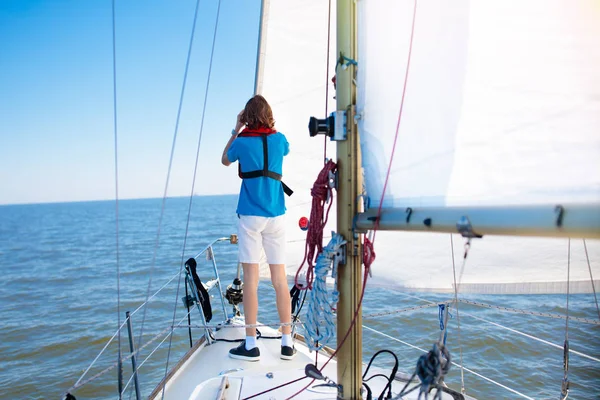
224 159
234 133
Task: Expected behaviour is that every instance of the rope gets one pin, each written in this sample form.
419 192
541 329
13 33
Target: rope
152 352
113 366
587 257
564 392
321 193
536 313
320 324
533 337
453 363
187 224
218 326
120 328
387 175
456 286
431 369
115 125
399 311
327 79
164 198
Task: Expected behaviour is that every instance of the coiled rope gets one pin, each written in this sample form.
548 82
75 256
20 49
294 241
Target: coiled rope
320 324
322 192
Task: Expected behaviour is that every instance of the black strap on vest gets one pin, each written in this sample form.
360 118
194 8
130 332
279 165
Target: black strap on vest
265 171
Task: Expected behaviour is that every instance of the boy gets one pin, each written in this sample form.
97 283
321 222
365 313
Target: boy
260 149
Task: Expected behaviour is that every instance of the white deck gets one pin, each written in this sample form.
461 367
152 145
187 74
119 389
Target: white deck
201 376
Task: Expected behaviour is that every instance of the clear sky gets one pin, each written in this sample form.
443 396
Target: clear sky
56 102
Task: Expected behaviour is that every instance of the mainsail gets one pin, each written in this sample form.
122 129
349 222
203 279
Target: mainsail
294 62
502 107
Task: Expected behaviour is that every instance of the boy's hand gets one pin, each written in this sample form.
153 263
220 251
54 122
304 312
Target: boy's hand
239 125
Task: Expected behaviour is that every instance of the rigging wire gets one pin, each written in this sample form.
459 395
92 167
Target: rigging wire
114 54
565 382
327 81
462 375
466 369
212 51
164 198
587 257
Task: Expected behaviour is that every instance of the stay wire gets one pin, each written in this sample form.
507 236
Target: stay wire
587 257
327 80
456 286
212 51
164 198
114 51
387 175
568 284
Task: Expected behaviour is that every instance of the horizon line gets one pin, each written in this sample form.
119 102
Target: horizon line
120 199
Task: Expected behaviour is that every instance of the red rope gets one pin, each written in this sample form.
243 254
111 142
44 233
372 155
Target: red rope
368 249
321 192
327 79
387 176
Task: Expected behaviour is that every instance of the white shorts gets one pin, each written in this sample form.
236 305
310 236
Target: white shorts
258 233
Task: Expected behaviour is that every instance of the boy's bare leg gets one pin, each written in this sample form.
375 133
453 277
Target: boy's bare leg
250 296
284 303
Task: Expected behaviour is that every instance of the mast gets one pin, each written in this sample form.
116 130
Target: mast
261 46
349 365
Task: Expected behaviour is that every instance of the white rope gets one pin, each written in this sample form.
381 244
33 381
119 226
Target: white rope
153 351
399 311
565 382
155 293
320 324
532 337
453 363
117 255
101 352
113 366
200 326
525 312
587 257
118 330
456 288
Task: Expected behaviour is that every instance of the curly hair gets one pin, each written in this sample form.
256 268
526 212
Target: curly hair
257 113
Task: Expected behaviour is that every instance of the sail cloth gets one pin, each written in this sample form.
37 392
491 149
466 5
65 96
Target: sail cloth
502 107
502 103
293 79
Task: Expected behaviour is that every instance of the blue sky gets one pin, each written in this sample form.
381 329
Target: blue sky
56 107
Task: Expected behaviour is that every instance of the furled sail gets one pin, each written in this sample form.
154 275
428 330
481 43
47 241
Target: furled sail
293 78
502 107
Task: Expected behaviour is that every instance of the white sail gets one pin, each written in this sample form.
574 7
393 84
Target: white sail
502 103
294 81
502 106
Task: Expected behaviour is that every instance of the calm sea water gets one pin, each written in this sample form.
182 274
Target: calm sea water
58 302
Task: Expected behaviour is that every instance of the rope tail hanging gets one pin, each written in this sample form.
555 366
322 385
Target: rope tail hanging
431 370
320 324
322 192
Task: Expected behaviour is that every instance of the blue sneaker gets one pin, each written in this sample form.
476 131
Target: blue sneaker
287 352
240 353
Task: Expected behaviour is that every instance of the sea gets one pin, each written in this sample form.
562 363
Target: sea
63 295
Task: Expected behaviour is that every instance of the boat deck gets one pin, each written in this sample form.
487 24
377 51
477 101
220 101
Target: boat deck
209 373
